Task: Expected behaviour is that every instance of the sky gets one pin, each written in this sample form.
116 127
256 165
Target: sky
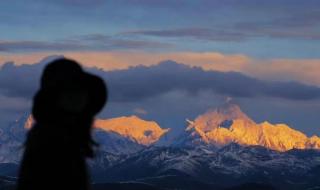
263 53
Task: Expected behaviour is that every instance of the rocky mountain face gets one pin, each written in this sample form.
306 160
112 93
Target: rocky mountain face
11 140
229 166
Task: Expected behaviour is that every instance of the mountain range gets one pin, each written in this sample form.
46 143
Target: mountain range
220 149
228 124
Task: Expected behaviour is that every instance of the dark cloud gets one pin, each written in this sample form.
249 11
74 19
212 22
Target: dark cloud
21 81
85 42
143 82
195 33
290 28
112 42
300 25
12 46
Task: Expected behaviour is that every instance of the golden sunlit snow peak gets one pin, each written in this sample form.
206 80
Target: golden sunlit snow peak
229 124
134 128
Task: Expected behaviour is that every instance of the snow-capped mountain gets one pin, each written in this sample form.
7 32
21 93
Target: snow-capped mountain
219 149
122 135
215 128
228 124
11 140
132 127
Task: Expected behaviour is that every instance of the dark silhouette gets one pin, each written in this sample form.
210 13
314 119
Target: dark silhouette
60 141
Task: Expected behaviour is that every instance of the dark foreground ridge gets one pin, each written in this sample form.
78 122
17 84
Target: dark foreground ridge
231 167
9 184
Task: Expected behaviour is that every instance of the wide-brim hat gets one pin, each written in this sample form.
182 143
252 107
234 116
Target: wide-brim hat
65 87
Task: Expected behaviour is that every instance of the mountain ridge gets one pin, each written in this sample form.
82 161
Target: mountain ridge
227 124
216 128
132 127
122 159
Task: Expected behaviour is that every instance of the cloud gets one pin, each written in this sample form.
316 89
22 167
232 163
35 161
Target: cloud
92 42
275 21
143 82
241 31
102 41
206 34
12 104
21 81
112 60
299 25
12 46
301 70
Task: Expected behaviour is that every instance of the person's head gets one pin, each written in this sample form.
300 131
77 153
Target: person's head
69 98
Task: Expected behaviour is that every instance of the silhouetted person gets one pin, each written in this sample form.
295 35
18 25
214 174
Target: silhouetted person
60 140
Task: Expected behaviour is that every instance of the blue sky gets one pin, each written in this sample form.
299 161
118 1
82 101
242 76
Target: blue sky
268 29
